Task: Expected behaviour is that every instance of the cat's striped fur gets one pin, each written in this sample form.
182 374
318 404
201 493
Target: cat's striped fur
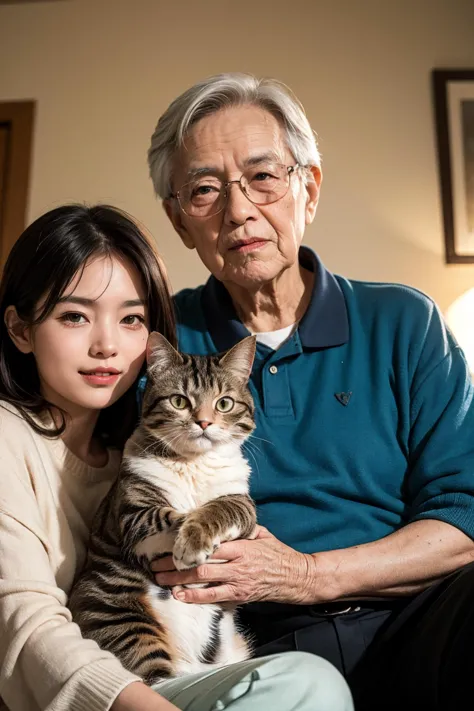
182 488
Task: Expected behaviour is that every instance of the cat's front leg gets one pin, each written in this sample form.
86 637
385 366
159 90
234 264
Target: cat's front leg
204 529
153 534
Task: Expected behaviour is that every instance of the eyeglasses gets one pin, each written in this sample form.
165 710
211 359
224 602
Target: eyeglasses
262 184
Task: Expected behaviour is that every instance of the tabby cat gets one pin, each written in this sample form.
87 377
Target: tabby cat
182 488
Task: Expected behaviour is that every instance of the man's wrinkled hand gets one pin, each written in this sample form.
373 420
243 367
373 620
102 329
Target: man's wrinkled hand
255 570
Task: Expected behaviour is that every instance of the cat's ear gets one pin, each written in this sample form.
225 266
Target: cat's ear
239 359
160 354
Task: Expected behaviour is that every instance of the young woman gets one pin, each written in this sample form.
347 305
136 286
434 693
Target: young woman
80 292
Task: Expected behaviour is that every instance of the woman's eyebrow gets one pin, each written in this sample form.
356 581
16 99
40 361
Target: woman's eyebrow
83 301
134 302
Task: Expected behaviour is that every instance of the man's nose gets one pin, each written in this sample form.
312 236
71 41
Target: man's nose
238 207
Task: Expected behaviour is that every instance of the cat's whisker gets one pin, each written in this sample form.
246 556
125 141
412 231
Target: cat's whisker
251 448
252 436
172 440
168 442
247 446
255 460
168 437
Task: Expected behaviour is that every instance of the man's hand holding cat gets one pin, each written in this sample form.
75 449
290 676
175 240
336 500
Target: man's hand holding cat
260 569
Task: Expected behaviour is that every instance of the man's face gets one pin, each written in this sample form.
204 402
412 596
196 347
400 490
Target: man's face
244 244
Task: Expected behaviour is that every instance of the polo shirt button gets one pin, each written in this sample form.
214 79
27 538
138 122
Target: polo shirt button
273 369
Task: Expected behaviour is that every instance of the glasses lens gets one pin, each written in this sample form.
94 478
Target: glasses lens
202 197
262 184
266 183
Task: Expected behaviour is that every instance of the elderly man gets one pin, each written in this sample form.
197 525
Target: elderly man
363 458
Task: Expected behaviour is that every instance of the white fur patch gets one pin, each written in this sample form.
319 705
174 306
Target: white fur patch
187 485
231 534
189 626
156 545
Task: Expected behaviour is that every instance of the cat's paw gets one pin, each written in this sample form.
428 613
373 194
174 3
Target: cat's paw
193 546
171 519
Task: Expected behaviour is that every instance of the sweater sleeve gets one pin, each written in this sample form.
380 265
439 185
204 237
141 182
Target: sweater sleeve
441 480
45 662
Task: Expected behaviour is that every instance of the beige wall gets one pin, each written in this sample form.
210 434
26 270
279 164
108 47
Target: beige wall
102 71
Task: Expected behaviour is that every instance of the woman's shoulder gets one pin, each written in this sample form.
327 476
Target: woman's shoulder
14 429
18 449
10 416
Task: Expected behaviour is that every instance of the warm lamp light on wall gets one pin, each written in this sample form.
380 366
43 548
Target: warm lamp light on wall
460 319
453 91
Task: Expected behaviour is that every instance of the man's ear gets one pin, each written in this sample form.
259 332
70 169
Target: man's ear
312 189
18 331
176 218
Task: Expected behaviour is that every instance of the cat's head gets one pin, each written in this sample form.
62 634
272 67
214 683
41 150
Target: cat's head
193 404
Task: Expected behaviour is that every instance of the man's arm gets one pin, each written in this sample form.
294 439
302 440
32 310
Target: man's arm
403 563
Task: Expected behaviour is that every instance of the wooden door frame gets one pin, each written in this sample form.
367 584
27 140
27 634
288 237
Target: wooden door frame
19 116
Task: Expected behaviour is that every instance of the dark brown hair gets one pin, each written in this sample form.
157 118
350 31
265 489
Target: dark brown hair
41 265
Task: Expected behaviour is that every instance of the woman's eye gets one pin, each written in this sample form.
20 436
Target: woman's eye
133 320
73 318
179 402
225 404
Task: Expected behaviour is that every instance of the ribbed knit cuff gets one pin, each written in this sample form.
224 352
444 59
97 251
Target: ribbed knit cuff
456 509
94 687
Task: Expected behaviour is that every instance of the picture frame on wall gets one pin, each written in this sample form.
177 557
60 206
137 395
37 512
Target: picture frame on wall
453 93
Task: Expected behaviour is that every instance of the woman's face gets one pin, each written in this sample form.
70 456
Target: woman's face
90 349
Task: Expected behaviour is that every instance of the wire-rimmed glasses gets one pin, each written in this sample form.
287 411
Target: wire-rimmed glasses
262 184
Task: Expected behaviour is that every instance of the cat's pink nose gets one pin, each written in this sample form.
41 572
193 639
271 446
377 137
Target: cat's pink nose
204 423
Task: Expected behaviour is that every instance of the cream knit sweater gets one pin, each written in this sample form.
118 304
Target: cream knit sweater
48 498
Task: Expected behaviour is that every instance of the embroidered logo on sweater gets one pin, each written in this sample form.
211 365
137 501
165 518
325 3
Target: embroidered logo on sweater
343 398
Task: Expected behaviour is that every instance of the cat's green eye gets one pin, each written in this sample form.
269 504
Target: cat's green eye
225 404
179 402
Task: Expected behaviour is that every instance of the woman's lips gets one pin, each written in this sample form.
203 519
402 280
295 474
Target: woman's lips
101 377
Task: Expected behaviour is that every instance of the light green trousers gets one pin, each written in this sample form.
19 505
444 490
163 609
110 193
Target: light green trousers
292 681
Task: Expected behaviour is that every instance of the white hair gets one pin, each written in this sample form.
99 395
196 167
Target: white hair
220 92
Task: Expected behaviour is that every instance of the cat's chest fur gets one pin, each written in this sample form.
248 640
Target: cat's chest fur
190 484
